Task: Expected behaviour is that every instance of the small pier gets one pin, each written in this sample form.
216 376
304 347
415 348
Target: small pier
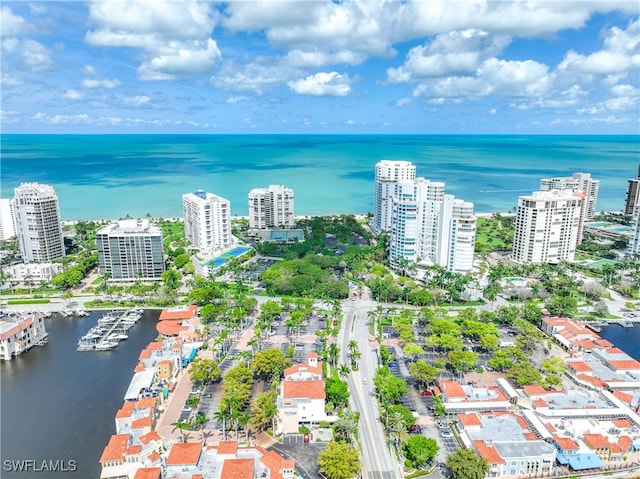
110 330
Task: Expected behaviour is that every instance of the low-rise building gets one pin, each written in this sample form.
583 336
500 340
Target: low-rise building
18 334
301 400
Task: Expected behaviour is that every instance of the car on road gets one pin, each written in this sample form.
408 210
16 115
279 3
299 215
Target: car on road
427 393
186 409
364 381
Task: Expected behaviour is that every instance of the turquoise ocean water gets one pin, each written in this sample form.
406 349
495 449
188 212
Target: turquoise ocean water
110 176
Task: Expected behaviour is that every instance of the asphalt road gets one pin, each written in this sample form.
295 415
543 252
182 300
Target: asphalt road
377 460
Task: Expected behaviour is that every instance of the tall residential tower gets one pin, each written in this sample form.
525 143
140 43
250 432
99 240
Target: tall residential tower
130 250
207 220
37 222
546 226
388 174
271 207
632 201
579 183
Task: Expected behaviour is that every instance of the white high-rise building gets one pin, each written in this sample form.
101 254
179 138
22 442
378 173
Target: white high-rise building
37 221
429 227
546 226
632 201
458 232
130 250
271 207
207 220
578 182
7 228
634 235
388 174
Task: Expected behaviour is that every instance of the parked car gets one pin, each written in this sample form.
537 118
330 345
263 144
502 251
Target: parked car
427 393
186 409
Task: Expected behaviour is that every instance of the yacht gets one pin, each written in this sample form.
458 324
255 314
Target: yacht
106 345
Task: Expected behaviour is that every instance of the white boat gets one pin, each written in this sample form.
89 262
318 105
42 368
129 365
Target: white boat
118 337
106 345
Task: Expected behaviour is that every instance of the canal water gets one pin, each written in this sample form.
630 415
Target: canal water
627 339
58 405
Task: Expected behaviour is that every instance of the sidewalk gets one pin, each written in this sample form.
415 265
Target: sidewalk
173 408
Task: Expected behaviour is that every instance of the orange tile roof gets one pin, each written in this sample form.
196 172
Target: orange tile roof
187 453
275 463
150 436
141 423
625 364
126 410
540 403
148 473
169 328
154 456
614 351
115 449
237 469
488 452
622 423
145 354
534 390
550 427
139 368
19 327
531 436
591 379
133 450
179 313
585 343
227 447
144 403
313 389
452 389
566 443
624 397
579 366
596 441
298 367
312 355
603 342
624 442
470 419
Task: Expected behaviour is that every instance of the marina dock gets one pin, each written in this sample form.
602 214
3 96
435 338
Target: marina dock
110 330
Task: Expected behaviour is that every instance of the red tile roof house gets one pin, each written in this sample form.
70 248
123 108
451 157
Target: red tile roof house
302 397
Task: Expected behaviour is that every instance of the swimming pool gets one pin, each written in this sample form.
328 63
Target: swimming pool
227 255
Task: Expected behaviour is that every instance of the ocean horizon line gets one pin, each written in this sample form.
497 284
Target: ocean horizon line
550 135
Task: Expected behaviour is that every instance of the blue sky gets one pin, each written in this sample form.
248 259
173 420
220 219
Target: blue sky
363 66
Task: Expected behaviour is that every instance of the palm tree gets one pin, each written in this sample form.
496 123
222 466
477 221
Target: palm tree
395 426
221 416
181 425
347 424
243 420
343 370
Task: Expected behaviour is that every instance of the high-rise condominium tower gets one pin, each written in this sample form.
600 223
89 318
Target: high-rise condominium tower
632 201
430 227
130 250
7 228
207 220
578 182
388 174
271 207
37 222
546 226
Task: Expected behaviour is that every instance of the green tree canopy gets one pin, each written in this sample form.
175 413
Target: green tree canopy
466 464
270 363
339 460
204 370
420 450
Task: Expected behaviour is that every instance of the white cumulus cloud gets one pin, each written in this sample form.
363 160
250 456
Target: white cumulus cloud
174 36
11 24
74 95
101 83
136 100
322 84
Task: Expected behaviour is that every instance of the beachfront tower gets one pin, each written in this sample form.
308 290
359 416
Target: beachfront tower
632 201
546 226
579 183
130 250
7 228
207 220
388 174
36 217
271 207
429 227
634 235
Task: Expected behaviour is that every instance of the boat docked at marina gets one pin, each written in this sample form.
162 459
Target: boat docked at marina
106 345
